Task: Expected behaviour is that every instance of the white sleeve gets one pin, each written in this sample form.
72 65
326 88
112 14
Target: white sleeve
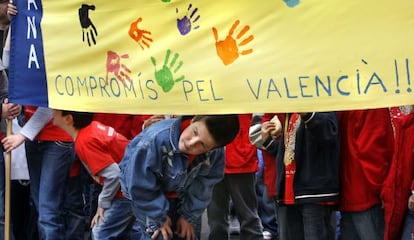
35 124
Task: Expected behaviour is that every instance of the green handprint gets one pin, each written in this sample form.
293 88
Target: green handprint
164 76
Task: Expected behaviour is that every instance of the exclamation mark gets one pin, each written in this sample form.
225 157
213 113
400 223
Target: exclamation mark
397 78
407 67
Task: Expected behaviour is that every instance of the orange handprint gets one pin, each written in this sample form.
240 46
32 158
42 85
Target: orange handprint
139 35
227 49
114 65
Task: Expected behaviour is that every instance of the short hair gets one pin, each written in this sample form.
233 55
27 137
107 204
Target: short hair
80 119
223 128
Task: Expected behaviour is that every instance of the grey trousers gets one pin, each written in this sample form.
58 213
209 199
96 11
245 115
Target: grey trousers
240 188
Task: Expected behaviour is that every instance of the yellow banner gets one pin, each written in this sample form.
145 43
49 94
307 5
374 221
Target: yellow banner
192 57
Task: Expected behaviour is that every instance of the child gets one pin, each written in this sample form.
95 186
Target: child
169 170
100 148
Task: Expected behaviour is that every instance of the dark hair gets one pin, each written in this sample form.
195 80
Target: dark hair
80 119
223 128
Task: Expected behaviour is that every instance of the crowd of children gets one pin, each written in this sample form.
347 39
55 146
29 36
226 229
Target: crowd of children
156 175
158 183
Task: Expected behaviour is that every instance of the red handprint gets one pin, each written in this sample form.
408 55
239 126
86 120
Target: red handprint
139 35
114 65
227 49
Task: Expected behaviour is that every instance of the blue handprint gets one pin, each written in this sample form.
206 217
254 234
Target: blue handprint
291 3
184 24
164 76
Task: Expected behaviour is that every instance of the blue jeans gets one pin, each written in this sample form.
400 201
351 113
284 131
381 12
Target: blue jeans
75 218
120 222
2 199
309 221
49 164
174 215
408 230
368 224
266 209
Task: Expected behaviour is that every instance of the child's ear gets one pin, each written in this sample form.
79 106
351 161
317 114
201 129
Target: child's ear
69 118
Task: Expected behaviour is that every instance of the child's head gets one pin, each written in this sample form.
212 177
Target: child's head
207 132
79 120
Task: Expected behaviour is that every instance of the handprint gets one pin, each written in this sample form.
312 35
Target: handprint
139 35
164 76
291 3
184 24
114 65
227 49
88 28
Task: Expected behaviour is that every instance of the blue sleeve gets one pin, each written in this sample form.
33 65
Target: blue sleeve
197 195
140 174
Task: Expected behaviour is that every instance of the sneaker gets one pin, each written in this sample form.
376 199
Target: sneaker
234 226
267 235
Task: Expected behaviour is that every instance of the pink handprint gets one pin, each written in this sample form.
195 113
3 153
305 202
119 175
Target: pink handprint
227 49
114 65
138 35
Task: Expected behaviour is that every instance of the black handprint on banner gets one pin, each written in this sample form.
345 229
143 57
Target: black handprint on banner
88 28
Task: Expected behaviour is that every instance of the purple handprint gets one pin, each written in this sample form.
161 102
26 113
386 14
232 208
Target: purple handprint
184 24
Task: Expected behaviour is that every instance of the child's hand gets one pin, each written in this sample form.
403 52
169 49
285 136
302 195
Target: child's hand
165 230
99 215
185 229
12 141
411 202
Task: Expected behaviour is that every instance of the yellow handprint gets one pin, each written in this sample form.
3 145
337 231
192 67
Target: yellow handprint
227 49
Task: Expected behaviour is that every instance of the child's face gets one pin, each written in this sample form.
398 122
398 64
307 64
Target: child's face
196 139
57 118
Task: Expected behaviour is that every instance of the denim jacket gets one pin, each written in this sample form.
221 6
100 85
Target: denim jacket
153 166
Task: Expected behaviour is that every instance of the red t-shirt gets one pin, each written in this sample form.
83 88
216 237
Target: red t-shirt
99 146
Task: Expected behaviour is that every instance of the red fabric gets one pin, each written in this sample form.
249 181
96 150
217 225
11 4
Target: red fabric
98 146
400 178
269 173
269 161
366 154
75 169
290 168
241 155
49 132
136 124
125 124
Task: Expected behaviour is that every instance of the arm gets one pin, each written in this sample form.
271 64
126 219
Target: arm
260 133
140 174
197 194
109 189
110 185
30 130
